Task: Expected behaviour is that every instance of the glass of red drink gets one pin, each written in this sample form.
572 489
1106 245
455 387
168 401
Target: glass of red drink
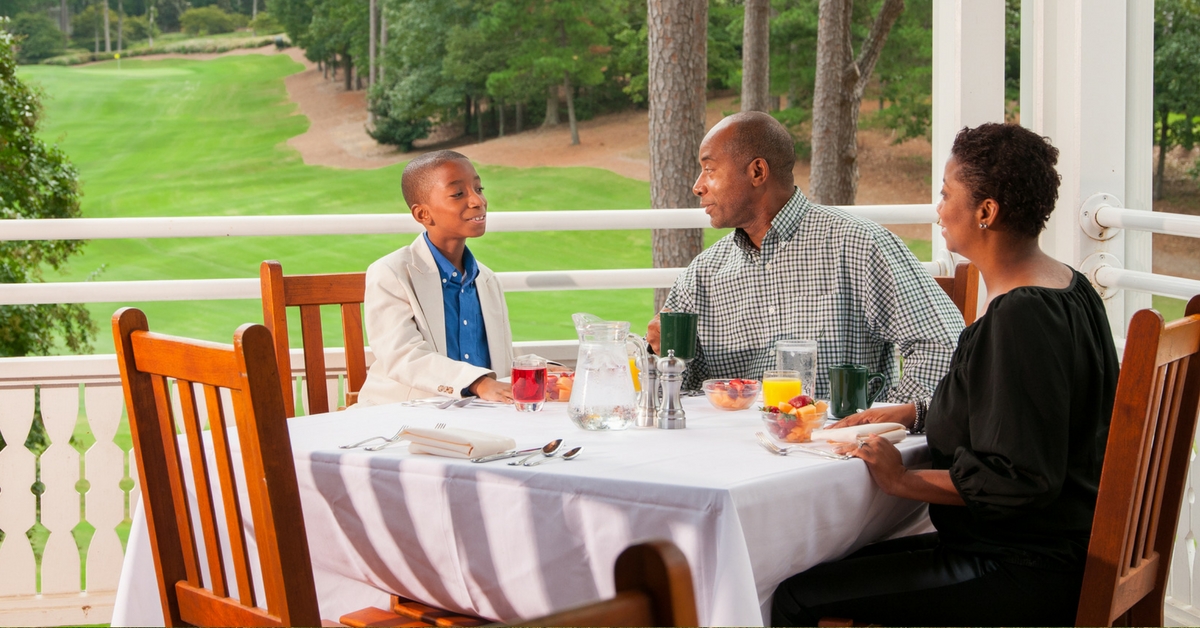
529 383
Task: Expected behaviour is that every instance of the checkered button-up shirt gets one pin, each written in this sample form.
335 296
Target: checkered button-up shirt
823 275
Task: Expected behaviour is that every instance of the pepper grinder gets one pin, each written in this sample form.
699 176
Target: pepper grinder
647 412
670 378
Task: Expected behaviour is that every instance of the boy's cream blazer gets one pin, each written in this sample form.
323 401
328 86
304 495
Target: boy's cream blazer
406 329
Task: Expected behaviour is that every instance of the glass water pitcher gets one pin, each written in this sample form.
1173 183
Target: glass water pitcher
602 397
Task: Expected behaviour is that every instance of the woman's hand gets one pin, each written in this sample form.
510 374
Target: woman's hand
491 390
883 461
905 415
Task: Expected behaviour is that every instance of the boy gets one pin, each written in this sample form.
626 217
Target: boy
436 319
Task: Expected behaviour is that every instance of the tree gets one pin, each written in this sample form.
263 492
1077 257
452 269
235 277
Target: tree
36 181
837 95
756 56
678 66
905 72
37 37
1176 66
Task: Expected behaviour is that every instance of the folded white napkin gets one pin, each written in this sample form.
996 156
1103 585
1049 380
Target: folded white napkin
893 432
456 443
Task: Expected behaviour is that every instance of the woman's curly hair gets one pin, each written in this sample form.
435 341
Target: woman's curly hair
1013 166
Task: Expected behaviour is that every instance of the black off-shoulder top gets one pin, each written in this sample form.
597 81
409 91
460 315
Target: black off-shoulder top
1021 422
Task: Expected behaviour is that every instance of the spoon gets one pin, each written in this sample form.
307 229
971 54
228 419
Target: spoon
549 450
570 455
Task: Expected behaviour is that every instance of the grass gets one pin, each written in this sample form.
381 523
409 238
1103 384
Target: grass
208 138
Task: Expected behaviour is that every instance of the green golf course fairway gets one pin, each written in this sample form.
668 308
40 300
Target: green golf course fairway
208 138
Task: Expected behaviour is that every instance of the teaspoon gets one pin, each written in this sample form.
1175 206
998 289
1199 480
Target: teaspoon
570 455
549 450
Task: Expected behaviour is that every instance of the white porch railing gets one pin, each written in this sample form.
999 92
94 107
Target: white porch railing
89 485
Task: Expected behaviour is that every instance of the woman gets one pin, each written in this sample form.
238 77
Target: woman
1016 429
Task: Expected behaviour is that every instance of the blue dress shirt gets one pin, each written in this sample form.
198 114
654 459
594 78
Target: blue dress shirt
466 336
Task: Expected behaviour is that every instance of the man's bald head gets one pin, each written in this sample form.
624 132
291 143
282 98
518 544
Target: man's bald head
418 174
752 134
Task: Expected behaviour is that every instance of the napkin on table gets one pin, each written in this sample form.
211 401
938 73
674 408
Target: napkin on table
456 443
893 432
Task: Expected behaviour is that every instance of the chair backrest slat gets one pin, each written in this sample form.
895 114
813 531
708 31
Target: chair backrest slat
1145 471
963 290
309 292
204 488
248 370
235 532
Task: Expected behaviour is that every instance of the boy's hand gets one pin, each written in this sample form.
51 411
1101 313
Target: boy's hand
489 389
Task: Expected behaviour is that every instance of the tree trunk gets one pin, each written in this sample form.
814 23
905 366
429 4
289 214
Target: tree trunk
254 9
793 84
348 70
107 35
479 118
467 116
150 31
678 45
382 43
520 116
756 57
837 95
64 20
571 108
1162 155
97 33
500 117
371 44
120 26
551 107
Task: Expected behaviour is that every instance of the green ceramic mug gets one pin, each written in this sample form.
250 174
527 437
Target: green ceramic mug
678 333
848 384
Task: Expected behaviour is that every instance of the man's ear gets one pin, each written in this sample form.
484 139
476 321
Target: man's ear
422 214
759 171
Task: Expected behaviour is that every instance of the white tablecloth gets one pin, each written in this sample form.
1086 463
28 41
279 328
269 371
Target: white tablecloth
508 542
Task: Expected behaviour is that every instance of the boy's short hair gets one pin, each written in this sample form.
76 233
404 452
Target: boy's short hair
416 179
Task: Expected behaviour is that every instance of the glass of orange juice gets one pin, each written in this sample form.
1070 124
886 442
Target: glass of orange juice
635 372
780 386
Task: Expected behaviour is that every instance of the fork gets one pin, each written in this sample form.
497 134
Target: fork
397 438
367 440
783 451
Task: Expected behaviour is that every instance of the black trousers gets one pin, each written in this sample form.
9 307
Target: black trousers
913 581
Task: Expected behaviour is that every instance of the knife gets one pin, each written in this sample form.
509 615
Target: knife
505 454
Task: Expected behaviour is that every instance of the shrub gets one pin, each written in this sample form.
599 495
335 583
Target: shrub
264 24
137 28
38 39
207 21
401 133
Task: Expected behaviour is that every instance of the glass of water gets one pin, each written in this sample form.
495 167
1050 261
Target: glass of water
799 356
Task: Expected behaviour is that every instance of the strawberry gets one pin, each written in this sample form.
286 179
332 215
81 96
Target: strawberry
800 401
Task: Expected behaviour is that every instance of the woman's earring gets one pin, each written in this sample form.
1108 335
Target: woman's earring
983 225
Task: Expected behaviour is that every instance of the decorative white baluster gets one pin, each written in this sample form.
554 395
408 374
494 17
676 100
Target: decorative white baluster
105 465
331 391
18 505
60 502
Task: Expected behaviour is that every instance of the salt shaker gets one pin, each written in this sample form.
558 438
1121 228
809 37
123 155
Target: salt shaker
647 411
670 378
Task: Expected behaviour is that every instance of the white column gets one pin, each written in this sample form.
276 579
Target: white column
1073 90
968 77
1139 139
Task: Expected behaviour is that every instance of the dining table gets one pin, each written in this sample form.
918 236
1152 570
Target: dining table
507 542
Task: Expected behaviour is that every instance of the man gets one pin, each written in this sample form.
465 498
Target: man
795 270
436 318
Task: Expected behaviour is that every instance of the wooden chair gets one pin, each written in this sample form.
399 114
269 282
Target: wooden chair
310 292
200 369
963 289
654 588
1145 471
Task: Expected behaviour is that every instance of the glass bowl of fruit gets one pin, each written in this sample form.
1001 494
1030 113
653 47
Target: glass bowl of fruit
731 394
558 385
794 421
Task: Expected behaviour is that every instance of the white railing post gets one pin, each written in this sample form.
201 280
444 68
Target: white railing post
1139 140
1073 90
968 79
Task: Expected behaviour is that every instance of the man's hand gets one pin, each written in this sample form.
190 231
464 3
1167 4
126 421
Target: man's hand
489 389
905 415
653 333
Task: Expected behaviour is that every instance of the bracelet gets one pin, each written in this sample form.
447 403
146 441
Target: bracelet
918 426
